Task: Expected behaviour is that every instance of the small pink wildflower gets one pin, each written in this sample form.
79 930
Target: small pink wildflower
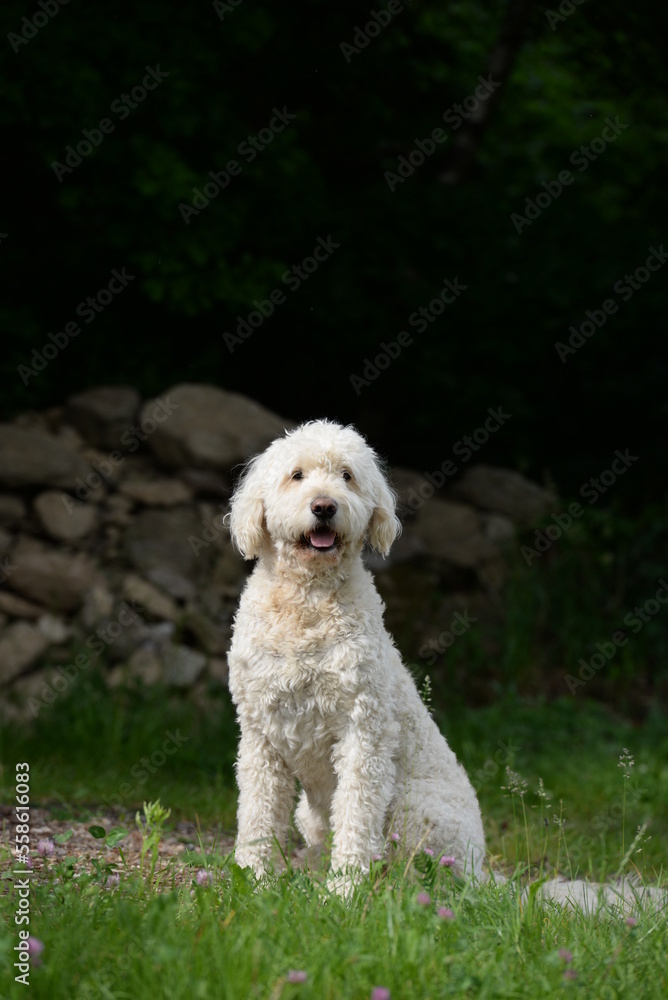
445 913
447 861
428 850
45 847
297 976
35 949
570 974
380 993
203 877
565 955
423 898
377 857
631 921
113 881
395 837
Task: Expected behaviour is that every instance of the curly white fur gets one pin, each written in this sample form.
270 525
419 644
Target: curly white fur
320 689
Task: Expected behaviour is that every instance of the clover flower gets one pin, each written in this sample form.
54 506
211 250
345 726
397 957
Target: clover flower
45 847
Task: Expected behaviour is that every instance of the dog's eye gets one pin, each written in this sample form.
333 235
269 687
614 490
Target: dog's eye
298 474
347 476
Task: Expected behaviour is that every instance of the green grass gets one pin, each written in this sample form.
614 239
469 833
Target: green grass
229 941
87 750
235 939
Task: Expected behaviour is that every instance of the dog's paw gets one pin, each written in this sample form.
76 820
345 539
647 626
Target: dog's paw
247 858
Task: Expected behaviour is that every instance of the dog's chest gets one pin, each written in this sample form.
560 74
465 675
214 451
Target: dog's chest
304 720
298 669
302 701
309 686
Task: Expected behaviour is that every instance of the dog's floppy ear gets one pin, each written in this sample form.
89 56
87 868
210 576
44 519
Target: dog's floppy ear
246 516
384 526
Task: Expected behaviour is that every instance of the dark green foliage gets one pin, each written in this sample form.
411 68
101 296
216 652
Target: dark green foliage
598 580
323 174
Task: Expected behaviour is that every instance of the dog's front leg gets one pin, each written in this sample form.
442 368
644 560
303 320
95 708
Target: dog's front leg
266 796
365 774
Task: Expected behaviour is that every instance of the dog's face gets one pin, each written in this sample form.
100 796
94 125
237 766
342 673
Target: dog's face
312 496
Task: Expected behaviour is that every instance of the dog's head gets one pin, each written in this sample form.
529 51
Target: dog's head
314 495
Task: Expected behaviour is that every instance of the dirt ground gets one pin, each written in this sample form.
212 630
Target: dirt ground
175 844
179 839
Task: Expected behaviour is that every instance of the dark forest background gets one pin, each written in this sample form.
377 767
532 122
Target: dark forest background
560 72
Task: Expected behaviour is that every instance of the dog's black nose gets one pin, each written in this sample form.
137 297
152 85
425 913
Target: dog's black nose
324 507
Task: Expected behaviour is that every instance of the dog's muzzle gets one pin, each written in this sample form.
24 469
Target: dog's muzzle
323 536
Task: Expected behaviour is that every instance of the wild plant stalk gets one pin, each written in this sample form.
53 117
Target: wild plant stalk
526 835
426 694
559 821
632 847
544 797
151 826
517 787
626 762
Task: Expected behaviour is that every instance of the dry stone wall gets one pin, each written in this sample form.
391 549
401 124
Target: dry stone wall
114 558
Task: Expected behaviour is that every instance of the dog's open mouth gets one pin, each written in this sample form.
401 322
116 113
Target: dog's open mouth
323 539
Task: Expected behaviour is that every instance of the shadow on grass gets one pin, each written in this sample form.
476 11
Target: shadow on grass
124 746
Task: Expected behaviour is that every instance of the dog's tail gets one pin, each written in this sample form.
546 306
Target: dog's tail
625 896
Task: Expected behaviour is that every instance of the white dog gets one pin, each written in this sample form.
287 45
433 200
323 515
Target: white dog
321 693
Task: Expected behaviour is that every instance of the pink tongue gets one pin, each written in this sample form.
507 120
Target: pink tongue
322 539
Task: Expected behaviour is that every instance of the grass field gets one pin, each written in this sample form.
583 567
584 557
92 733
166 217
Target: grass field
197 926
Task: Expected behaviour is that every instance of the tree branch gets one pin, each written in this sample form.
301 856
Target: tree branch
499 67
